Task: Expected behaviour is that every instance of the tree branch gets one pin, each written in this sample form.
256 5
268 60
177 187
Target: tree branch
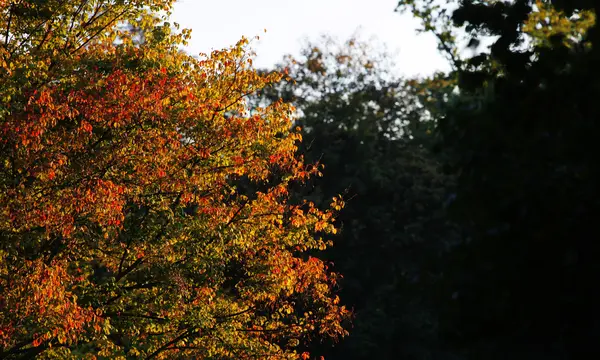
187 333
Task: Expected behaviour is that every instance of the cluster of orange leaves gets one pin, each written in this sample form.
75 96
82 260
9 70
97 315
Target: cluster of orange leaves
43 297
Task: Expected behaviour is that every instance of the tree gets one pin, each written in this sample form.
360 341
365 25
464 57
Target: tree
520 136
370 130
123 231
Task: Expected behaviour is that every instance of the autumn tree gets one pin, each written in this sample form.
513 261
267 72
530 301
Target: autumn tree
123 231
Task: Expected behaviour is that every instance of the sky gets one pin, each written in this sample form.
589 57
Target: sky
219 24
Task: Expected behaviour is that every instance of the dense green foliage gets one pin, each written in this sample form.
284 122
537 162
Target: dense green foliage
520 136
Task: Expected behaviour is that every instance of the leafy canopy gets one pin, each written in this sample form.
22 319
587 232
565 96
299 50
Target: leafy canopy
520 137
123 231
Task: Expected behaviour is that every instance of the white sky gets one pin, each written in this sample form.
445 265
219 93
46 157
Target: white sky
217 24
